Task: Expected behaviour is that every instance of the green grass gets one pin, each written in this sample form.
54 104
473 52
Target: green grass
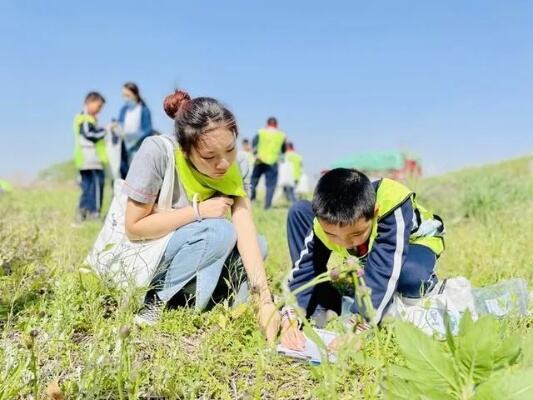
57 323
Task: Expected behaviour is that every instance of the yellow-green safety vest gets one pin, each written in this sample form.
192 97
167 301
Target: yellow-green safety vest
203 187
390 195
296 162
269 145
85 151
5 186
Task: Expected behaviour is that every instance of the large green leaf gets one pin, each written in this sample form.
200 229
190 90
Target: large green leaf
507 386
527 350
466 323
480 350
397 388
431 365
507 352
474 349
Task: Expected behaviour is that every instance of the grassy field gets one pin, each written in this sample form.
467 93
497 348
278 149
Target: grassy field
59 325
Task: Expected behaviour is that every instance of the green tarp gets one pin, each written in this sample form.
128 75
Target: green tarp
375 161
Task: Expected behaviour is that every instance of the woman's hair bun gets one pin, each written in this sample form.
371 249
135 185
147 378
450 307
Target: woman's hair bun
173 102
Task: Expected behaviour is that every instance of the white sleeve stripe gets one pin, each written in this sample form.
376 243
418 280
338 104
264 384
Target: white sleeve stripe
88 133
86 128
304 251
397 265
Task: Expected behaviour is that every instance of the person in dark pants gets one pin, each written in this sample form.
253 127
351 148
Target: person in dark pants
295 160
395 239
268 144
92 190
90 157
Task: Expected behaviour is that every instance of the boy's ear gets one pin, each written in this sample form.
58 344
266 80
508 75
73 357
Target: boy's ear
376 209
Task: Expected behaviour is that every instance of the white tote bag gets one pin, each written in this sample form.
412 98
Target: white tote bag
449 299
303 186
131 264
113 146
285 174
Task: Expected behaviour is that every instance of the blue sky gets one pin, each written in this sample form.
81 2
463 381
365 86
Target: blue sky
451 80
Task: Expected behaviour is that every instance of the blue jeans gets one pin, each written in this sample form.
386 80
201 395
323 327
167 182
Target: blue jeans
289 194
92 190
271 180
201 261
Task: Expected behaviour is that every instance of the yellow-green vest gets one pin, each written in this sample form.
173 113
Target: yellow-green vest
202 187
87 154
390 195
269 145
296 162
5 186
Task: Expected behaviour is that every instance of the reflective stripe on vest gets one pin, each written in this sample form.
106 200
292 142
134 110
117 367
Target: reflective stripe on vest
269 145
85 151
427 227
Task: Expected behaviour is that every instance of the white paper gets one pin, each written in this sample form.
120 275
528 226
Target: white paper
311 352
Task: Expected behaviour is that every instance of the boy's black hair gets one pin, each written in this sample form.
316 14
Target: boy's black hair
92 96
343 196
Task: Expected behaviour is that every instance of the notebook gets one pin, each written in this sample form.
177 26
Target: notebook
311 353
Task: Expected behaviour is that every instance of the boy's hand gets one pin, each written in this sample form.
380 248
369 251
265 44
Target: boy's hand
336 343
292 337
342 340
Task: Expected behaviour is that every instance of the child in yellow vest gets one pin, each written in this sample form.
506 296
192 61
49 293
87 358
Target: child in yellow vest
295 161
90 157
396 240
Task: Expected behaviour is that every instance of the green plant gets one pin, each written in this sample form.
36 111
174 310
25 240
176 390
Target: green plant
33 364
477 364
214 354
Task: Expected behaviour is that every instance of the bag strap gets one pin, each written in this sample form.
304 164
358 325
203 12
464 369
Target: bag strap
167 188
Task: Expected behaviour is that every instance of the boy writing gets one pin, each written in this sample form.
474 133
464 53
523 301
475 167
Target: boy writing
396 240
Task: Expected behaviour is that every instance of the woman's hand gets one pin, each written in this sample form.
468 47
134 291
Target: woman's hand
215 207
269 320
291 336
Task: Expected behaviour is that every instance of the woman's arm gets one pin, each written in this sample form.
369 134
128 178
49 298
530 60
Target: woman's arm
143 223
249 248
253 264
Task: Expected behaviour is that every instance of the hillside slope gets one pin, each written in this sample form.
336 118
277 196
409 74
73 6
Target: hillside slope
75 321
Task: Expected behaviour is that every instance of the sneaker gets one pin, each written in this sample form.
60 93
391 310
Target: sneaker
93 216
81 215
150 313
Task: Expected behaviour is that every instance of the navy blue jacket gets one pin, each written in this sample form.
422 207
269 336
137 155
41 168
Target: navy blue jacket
382 264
